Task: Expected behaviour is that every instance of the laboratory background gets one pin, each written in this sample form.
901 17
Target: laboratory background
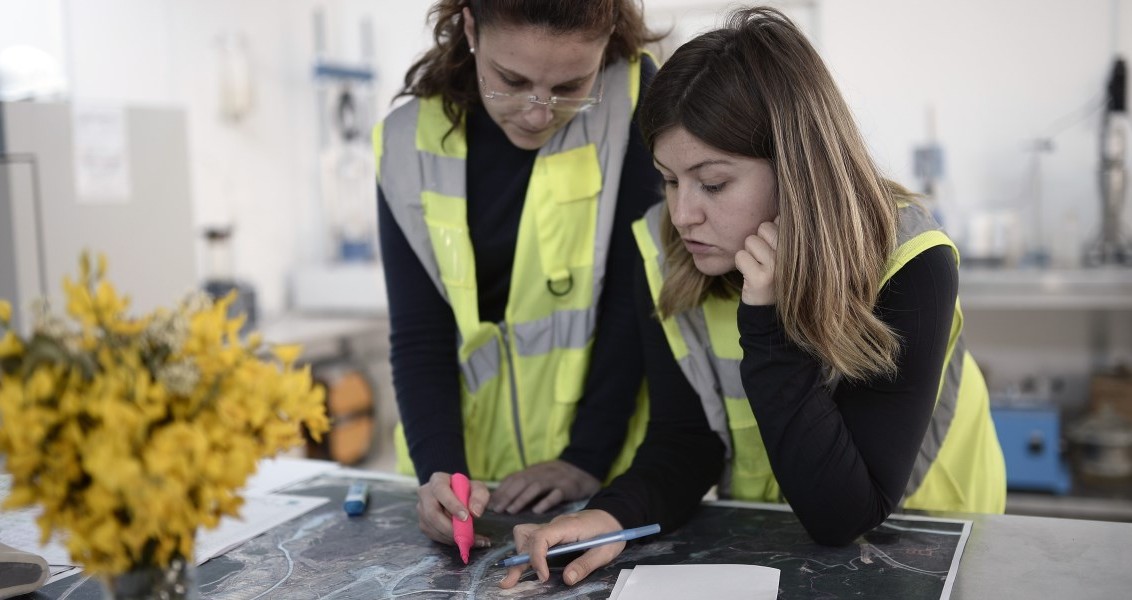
225 146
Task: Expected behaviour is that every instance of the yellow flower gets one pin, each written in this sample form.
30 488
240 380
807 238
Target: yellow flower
80 304
287 354
10 345
5 312
133 432
41 385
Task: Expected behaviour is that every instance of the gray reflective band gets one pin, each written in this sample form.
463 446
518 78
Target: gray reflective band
697 365
402 191
481 366
913 221
443 175
607 126
941 418
730 376
563 329
701 375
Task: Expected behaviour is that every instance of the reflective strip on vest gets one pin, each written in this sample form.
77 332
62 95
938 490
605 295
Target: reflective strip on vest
405 192
941 418
563 329
563 241
684 334
716 378
481 366
918 231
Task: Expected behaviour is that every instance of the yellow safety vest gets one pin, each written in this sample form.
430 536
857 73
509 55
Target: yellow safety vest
521 378
959 466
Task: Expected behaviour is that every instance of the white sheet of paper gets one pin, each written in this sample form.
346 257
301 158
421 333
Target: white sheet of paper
274 474
622 577
718 582
19 530
58 573
260 513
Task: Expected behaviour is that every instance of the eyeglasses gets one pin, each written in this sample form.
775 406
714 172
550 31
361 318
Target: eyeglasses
560 104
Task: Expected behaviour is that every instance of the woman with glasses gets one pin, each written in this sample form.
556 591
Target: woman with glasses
802 334
507 187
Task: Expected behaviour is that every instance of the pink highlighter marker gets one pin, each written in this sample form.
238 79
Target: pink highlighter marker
462 531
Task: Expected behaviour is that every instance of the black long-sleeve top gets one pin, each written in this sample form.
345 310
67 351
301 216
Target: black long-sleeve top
423 328
842 458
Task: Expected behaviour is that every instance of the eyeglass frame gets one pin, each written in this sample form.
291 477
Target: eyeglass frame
551 102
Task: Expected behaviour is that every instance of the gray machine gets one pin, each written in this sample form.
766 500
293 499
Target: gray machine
1112 247
48 217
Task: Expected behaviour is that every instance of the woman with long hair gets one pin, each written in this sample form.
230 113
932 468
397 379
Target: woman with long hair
799 313
507 186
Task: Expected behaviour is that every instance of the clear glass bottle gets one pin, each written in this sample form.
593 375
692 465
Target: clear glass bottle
176 581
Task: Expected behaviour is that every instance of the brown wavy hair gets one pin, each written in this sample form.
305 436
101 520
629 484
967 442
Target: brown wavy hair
447 69
757 88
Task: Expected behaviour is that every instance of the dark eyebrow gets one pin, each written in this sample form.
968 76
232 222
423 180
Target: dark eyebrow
509 74
697 166
708 163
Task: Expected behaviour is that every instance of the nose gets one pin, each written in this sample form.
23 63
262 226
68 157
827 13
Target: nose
683 209
538 117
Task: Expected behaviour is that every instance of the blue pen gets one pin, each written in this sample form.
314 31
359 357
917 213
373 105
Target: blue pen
356 498
617 536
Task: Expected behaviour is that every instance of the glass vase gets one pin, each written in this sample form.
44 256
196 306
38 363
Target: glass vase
176 581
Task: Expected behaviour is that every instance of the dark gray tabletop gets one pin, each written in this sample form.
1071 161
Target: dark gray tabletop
383 555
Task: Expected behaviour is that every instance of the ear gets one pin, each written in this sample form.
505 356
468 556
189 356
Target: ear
470 28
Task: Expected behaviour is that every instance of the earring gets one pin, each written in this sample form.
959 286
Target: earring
472 49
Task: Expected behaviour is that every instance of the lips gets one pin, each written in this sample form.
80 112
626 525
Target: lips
696 247
531 133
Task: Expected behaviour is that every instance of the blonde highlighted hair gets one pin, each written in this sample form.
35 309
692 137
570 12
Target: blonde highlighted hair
757 88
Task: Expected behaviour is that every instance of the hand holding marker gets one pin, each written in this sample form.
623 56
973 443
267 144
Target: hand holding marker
608 538
462 531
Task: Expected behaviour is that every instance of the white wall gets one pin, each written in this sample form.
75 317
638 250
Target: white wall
999 75
259 174
37 23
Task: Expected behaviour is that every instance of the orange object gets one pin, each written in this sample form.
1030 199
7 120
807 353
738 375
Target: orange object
350 406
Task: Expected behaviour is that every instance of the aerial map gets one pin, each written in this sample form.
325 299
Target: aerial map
382 554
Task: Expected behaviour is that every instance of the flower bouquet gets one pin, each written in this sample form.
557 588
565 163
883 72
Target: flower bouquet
133 432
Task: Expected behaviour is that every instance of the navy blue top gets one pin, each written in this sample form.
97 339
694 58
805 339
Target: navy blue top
423 328
841 457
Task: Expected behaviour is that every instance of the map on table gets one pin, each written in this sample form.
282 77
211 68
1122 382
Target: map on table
383 554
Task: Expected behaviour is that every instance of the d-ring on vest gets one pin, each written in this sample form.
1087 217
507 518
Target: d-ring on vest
959 465
521 378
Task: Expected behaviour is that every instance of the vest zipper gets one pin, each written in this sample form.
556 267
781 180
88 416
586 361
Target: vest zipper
510 365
